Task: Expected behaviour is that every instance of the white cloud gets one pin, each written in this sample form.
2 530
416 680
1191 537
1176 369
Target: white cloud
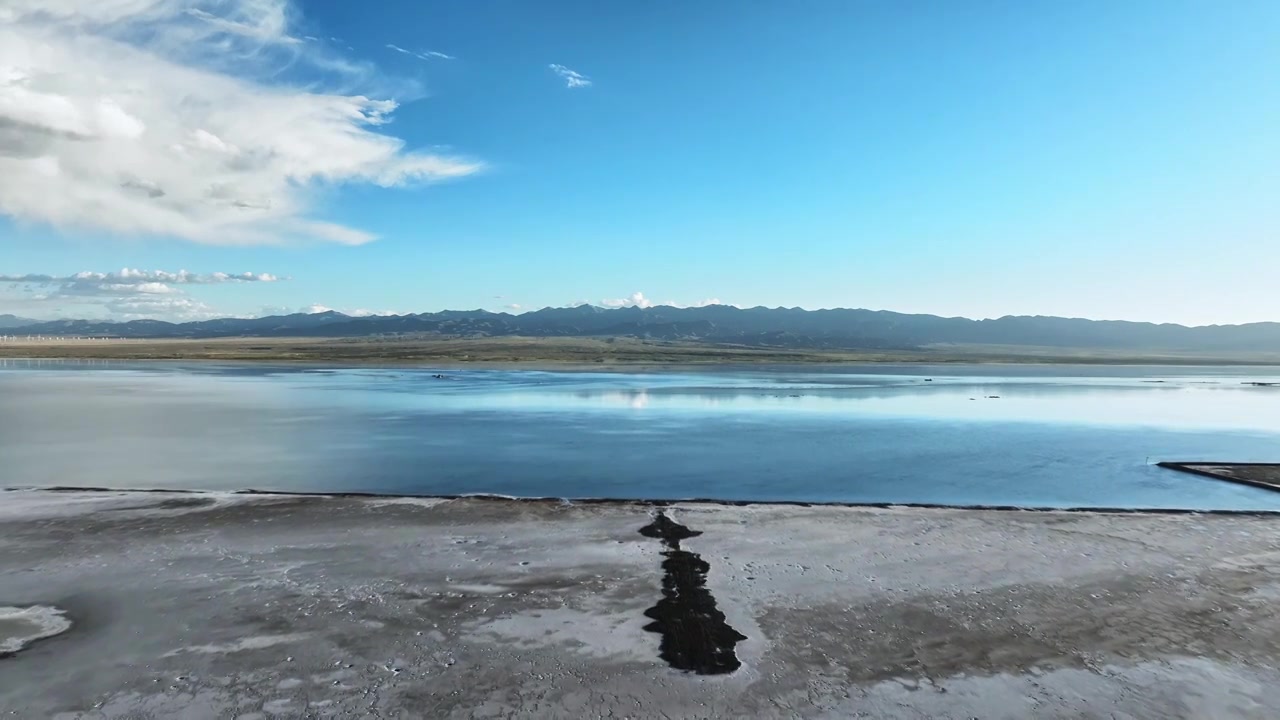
127 294
514 306
635 299
424 55
129 276
138 307
166 117
358 312
572 78
638 299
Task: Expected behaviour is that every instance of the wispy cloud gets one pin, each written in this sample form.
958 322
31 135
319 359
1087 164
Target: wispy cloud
422 55
128 294
129 276
572 78
169 118
263 22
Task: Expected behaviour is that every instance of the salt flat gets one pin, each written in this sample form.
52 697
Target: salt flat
222 605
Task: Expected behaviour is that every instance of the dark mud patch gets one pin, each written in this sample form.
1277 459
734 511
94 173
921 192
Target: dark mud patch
695 635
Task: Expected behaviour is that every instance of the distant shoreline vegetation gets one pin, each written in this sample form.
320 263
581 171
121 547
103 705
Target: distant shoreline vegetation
566 352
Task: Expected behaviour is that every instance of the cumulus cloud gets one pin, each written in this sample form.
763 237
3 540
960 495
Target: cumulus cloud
167 117
572 78
514 306
421 55
705 302
317 308
635 299
129 294
638 299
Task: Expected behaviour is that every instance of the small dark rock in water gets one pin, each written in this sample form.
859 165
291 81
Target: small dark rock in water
695 634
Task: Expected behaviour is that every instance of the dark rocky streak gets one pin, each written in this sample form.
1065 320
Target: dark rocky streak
695 635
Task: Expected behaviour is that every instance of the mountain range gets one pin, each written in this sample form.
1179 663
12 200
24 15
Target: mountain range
758 326
13 321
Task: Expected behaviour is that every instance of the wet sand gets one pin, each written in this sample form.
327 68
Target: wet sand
262 606
1263 475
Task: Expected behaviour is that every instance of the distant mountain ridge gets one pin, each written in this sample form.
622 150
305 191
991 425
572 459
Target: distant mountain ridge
13 321
758 326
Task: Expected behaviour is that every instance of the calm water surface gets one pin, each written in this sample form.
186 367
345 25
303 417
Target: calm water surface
1024 435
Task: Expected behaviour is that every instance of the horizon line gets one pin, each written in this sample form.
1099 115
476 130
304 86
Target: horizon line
601 308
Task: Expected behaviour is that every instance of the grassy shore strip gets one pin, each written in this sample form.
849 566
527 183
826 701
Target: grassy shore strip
563 352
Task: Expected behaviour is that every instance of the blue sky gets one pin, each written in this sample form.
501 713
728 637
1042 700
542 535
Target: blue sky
1094 159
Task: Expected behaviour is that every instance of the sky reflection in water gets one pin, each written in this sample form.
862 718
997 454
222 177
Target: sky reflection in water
1054 436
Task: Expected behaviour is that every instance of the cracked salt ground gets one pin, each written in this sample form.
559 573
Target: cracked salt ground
305 607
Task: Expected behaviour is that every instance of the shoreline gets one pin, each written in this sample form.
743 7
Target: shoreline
576 366
654 503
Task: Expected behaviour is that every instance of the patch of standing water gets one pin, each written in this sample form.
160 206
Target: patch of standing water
21 626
